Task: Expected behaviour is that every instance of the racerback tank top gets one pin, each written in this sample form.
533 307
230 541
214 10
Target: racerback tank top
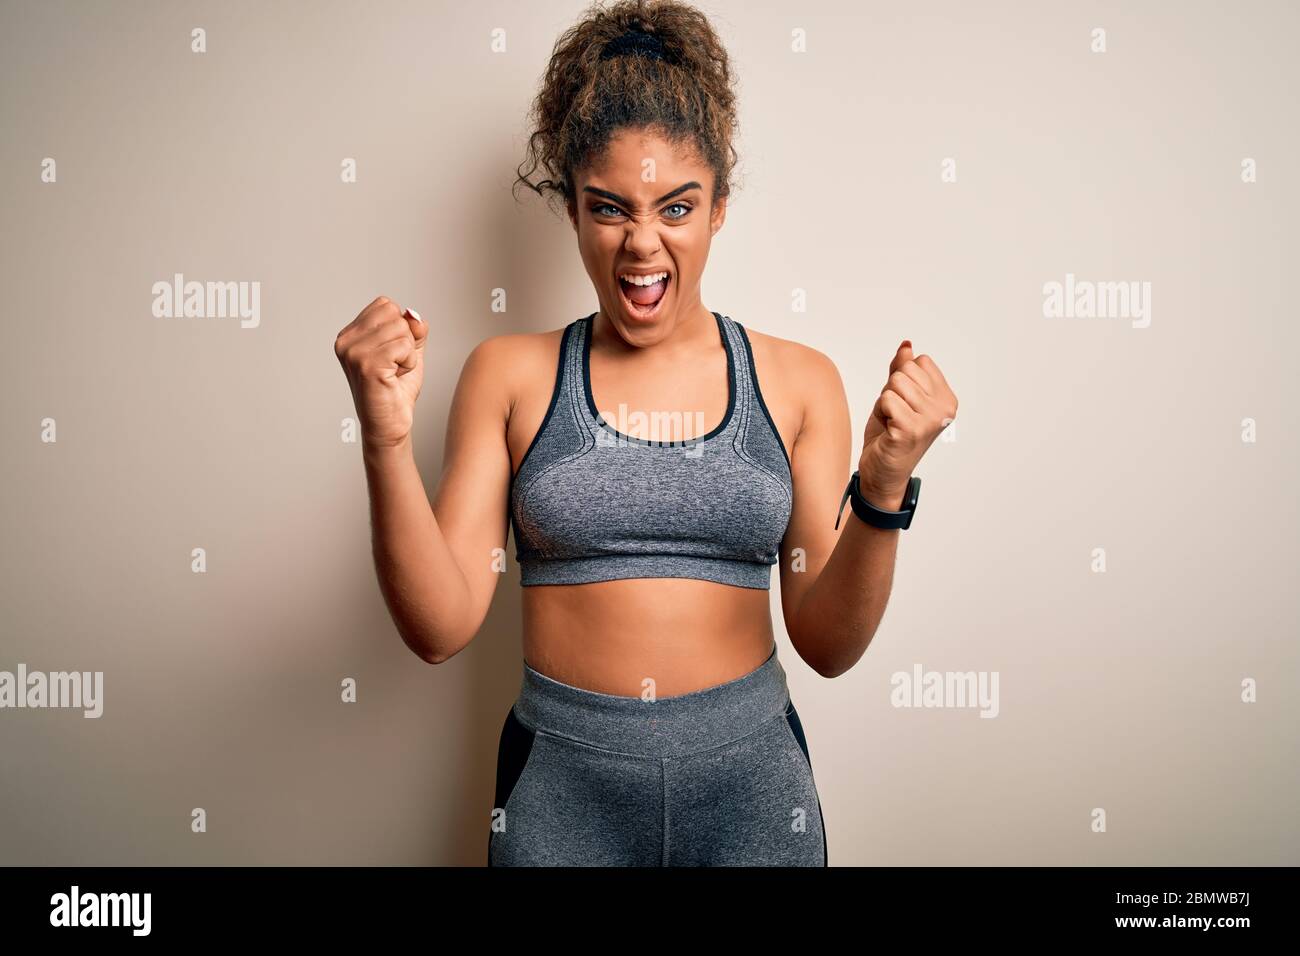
590 503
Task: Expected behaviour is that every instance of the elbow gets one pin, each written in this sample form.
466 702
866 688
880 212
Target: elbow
831 671
825 667
437 654
436 643
428 650
834 663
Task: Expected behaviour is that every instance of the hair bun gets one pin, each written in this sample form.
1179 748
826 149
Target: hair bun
637 42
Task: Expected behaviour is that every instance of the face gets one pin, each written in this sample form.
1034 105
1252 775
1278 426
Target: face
644 210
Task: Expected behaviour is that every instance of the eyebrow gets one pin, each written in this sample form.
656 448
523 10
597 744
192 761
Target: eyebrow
664 198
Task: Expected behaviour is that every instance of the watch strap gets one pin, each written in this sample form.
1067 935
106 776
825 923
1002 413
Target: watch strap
878 517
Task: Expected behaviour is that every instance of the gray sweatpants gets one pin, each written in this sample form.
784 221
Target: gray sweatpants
717 777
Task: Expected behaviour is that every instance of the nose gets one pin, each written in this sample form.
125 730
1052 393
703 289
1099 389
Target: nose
642 240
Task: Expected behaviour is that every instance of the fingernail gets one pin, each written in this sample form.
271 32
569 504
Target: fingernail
415 315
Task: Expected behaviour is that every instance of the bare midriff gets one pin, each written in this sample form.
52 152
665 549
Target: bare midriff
613 637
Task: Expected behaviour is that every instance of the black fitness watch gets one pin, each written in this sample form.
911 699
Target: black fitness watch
877 517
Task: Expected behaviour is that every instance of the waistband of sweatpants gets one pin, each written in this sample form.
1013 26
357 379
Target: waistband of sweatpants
664 726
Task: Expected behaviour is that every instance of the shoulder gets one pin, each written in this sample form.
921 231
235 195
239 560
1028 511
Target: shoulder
799 369
801 385
511 362
517 350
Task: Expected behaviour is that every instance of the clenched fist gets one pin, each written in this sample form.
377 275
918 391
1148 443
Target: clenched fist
915 405
382 354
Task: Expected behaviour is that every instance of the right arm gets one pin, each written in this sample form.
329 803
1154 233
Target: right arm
436 564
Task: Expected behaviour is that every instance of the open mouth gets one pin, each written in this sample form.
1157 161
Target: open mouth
643 297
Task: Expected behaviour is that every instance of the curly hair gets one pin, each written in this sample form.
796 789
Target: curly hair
687 94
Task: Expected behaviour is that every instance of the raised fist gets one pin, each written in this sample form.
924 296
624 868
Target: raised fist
382 354
915 405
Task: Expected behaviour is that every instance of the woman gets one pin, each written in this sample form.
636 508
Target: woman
653 726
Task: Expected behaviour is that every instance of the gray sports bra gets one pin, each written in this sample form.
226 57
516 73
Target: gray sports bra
590 503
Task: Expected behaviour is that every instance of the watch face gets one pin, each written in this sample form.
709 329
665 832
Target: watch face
910 499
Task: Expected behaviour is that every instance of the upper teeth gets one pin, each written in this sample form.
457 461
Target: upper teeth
644 280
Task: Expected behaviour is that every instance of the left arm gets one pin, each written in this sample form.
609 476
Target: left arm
835 583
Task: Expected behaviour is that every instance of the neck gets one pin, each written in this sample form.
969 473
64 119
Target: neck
692 326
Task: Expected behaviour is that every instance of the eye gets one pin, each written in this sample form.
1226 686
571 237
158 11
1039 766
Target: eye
605 205
685 207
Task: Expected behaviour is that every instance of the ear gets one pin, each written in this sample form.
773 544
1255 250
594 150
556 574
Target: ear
718 215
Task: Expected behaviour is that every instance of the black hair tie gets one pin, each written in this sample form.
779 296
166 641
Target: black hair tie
636 42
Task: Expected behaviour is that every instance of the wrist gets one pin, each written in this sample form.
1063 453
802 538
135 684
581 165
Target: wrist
886 498
382 452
